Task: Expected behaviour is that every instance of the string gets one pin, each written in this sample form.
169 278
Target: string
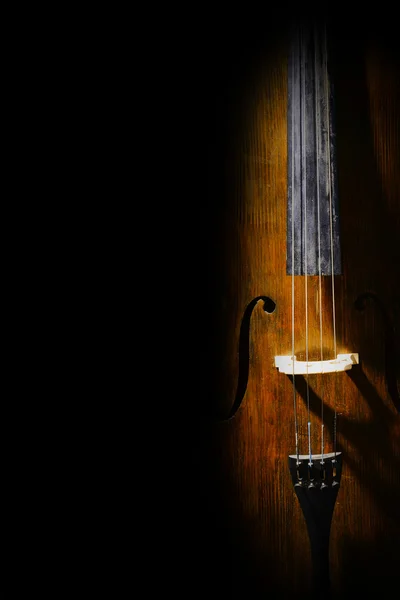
331 234
303 160
294 386
317 132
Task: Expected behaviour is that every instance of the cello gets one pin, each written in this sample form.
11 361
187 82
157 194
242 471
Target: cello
304 457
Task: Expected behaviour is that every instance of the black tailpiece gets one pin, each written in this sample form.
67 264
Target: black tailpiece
316 484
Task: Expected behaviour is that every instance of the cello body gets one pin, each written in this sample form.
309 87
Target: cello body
260 545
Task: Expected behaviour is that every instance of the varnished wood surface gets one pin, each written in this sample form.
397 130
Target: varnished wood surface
258 540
